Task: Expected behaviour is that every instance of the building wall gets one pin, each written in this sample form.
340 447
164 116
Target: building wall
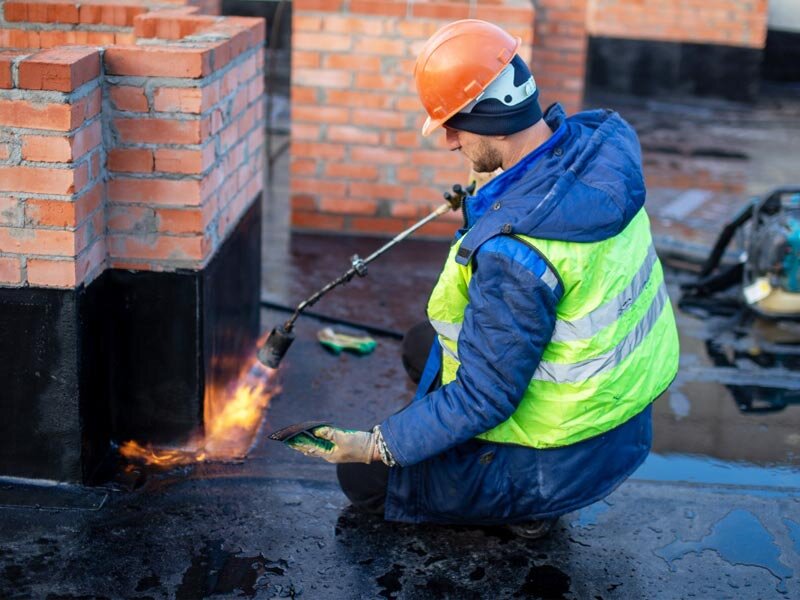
358 161
131 161
727 22
144 162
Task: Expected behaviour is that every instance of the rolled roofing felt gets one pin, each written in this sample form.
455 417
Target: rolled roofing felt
287 433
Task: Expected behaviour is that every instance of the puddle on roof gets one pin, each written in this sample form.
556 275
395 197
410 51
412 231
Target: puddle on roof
732 416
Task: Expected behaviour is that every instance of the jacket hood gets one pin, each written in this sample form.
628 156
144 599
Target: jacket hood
585 184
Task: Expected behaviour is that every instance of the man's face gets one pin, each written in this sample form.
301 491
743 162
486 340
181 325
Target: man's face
477 148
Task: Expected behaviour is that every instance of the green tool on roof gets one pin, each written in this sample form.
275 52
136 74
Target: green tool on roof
336 342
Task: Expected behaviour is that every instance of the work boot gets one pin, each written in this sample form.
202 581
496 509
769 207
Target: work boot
533 530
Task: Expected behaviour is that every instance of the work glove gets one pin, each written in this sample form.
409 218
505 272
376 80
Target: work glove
337 445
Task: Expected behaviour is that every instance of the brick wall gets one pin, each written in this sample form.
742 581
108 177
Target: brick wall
558 60
358 161
727 22
141 155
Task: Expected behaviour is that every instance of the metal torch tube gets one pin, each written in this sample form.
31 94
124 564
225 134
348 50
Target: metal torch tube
444 208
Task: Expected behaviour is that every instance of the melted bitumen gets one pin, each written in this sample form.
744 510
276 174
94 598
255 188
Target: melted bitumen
217 571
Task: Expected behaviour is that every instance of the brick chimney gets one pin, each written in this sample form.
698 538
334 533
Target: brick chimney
130 190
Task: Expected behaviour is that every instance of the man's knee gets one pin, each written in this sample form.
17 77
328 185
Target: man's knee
416 346
364 485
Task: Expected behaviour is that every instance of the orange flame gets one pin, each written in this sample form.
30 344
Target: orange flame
232 419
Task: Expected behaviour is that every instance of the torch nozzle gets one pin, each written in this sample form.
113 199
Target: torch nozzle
272 352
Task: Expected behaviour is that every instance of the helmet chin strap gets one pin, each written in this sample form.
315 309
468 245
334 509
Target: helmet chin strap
504 90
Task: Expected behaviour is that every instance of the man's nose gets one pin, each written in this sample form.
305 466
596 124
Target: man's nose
451 136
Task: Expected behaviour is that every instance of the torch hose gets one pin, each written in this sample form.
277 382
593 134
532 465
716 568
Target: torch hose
372 329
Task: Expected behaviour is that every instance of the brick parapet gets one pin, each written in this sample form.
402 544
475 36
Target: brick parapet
142 155
358 161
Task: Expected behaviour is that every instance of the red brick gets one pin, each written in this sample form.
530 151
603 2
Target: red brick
444 10
351 171
41 180
317 149
138 219
303 202
10 270
155 191
7 58
380 118
327 42
51 273
348 206
19 38
350 25
130 160
321 5
188 100
381 82
386 47
388 8
87 139
378 191
179 221
309 220
305 95
352 62
158 61
91 262
303 166
89 201
320 114
360 99
110 14
304 131
62 69
41 12
161 248
18 113
351 134
184 161
305 60
129 98
46 148
42 242
159 131
170 24
49 213
377 225
10 211
377 155
325 78
309 185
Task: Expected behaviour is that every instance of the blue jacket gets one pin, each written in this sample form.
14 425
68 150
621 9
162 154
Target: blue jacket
585 184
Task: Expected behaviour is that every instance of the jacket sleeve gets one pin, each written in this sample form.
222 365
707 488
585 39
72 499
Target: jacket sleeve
507 324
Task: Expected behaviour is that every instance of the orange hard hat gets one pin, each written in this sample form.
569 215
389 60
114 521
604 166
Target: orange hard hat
457 63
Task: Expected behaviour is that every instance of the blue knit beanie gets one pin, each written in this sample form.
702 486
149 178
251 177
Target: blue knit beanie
509 104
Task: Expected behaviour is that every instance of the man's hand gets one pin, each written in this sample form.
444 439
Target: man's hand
337 445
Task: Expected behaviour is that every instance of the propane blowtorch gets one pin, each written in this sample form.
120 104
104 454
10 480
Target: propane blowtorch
282 336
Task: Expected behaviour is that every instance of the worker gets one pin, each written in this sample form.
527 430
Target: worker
553 329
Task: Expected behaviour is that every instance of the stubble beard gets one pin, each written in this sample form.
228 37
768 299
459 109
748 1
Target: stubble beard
487 158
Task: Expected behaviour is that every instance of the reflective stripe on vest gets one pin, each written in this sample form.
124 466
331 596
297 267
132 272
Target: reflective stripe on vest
577 372
602 317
